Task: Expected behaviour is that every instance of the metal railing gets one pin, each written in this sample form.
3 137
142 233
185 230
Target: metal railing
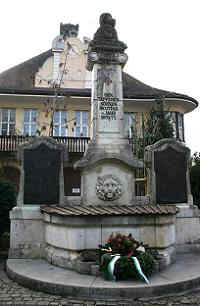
74 144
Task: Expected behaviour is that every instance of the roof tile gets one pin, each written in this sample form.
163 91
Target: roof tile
110 210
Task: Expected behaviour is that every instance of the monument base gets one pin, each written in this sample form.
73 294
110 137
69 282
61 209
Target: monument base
176 279
71 260
27 232
68 231
34 235
187 225
108 174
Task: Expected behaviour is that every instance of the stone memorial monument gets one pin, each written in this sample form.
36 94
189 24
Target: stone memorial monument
47 225
168 182
108 201
41 182
167 162
108 164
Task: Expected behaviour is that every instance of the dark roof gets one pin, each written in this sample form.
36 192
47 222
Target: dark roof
22 76
20 80
111 210
134 88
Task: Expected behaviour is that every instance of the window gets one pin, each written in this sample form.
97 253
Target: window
30 122
180 129
60 124
129 124
81 126
7 121
178 125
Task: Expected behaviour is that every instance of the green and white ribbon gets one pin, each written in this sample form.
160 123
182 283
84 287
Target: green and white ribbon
138 267
111 267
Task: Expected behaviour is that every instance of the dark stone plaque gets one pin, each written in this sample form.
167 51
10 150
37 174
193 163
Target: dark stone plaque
170 170
41 175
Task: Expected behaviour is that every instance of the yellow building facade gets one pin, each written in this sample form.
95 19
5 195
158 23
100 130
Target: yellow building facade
50 95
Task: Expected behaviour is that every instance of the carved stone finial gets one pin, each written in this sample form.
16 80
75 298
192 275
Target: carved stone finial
69 30
106 39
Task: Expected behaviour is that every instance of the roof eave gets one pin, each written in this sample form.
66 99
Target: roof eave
86 92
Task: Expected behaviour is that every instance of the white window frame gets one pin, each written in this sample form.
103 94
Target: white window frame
131 124
177 121
180 126
30 122
60 125
81 124
8 122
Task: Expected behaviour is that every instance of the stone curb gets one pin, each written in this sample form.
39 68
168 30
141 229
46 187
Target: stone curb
107 292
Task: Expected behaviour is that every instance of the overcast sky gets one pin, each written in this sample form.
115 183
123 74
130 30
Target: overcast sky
162 36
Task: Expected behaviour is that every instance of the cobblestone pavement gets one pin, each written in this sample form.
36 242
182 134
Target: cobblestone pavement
13 294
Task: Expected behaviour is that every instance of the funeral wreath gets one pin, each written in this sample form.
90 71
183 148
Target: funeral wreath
123 257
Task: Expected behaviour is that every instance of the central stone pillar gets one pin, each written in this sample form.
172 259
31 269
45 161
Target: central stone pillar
106 59
107 102
108 164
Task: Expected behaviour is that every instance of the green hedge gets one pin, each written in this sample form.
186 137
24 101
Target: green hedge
7 202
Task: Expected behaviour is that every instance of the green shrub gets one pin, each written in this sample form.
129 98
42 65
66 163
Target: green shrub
7 202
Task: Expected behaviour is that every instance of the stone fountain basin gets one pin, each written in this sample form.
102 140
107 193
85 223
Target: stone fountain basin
66 236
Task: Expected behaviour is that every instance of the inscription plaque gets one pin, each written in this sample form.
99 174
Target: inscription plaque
41 175
170 170
108 100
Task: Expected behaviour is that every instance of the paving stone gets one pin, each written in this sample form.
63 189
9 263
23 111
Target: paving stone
29 304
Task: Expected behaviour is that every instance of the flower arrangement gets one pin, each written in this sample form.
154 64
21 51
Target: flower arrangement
123 257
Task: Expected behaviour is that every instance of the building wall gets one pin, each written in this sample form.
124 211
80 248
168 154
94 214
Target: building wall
66 104
71 66
71 105
67 69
